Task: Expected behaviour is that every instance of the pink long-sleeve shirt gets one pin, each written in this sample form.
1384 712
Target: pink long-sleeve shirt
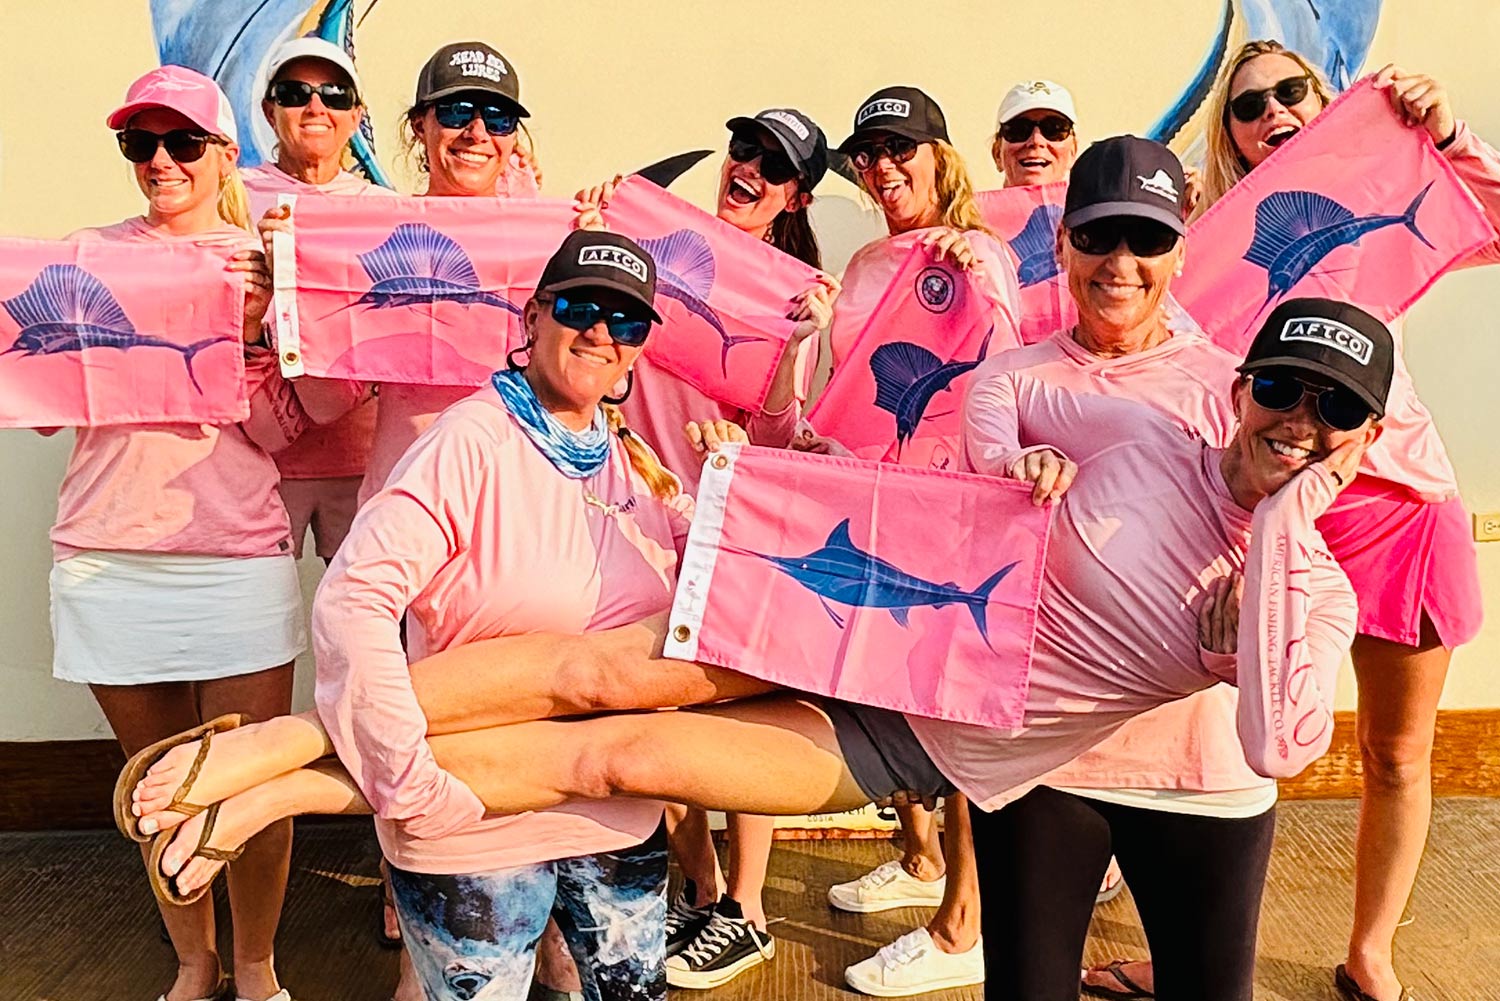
1146 527
199 489
477 535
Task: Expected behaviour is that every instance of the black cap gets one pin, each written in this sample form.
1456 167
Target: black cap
1334 339
461 66
1126 176
591 258
799 135
905 111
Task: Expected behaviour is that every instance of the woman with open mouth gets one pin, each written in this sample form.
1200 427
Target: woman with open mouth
1402 535
1035 140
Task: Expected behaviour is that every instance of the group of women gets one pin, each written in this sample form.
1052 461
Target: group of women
497 607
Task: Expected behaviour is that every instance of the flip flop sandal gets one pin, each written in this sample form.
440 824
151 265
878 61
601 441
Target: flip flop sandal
1349 987
135 769
164 886
219 993
386 901
1116 969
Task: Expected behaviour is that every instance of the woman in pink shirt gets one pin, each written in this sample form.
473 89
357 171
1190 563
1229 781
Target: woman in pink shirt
174 592
1402 535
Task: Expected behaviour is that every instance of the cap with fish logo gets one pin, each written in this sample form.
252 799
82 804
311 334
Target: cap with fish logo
1126 176
1336 340
461 66
799 135
906 111
598 259
1035 95
187 92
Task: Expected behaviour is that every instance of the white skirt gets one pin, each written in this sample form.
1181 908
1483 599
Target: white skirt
136 618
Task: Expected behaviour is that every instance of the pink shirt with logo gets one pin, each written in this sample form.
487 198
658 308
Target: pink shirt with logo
1146 527
477 535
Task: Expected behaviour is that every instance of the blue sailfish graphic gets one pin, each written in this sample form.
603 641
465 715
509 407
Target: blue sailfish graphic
1036 246
685 271
417 264
908 376
67 309
841 571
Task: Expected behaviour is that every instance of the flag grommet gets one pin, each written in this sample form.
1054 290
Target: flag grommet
290 358
721 461
682 634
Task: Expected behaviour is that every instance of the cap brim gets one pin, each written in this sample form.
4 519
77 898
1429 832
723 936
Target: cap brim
122 115
786 144
910 132
1043 104
438 95
590 282
1318 368
1138 210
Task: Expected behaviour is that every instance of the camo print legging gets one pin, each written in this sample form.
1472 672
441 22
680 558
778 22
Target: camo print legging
473 937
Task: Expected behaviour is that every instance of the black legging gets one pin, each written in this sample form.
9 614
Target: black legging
1196 882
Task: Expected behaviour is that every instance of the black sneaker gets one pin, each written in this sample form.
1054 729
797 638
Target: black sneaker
728 945
684 921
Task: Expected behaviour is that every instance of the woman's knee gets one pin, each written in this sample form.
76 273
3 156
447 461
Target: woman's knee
1396 760
614 760
588 680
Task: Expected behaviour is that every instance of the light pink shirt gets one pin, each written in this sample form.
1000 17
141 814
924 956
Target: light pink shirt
478 535
1147 525
199 489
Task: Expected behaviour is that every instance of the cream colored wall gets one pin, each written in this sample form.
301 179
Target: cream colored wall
613 86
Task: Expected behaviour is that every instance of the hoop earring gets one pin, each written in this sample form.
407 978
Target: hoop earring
629 385
510 357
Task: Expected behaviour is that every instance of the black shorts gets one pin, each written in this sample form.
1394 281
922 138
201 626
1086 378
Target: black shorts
882 753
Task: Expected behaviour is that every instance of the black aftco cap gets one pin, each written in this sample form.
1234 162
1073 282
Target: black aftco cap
591 258
1126 176
462 66
799 135
1336 340
905 111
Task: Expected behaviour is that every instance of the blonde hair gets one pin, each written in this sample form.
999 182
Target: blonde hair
414 150
951 184
663 484
1223 164
234 200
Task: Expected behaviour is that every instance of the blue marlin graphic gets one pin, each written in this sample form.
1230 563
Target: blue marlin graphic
1295 230
908 376
67 309
417 264
840 571
685 271
1036 246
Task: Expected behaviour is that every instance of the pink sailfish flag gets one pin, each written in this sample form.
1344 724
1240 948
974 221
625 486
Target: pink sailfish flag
834 576
723 295
898 395
1026 219
1355 206
426 291
95 334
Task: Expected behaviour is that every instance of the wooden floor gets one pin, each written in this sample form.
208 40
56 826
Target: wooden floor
77 924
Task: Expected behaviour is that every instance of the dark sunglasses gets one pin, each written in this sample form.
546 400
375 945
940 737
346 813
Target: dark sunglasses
866 154
1144 237
183 145
498 120
581 315
1337 406
1055 128
1250 105
775 166
299 94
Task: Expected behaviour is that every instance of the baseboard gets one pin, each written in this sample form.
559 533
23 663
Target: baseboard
68 784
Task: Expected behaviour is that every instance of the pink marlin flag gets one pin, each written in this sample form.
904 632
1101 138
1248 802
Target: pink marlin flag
911 589
425 291
1026 219
1356 206
723 295
94 334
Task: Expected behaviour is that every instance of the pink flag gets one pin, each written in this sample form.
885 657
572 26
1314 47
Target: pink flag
414 290
1026 219
1356 206
898 395
722 294
94 334
911 589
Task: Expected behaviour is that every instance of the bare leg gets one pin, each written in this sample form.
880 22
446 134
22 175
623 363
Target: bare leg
955 926
922 854
1399 687
750 836
692 846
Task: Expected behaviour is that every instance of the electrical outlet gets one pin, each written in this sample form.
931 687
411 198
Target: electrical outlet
1487 527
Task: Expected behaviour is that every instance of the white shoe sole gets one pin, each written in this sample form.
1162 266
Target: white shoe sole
927 987
886 904
690 980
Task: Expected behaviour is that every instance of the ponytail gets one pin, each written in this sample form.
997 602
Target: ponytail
663 484
234 201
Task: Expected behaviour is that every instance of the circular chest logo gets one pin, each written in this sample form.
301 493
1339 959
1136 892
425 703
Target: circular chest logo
935 289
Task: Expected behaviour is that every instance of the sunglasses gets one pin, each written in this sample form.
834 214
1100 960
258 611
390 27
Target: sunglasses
183 145
498 120
575 315
299 94
775 166
1055 128
1337 406
898 148
1250 105
1144 237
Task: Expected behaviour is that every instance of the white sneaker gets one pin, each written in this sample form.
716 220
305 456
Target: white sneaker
885 888
913 964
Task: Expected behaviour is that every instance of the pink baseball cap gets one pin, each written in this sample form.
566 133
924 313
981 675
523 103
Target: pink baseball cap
179 89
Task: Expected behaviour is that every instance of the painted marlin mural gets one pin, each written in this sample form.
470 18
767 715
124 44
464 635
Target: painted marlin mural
417 264
1036 246
67 309
908 376
841 571
685 271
